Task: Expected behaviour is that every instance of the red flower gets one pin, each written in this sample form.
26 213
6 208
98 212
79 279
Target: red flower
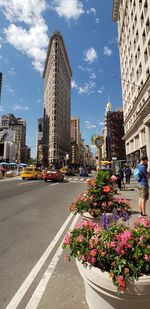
121 283
106 189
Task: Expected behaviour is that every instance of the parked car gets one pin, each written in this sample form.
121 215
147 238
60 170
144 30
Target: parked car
10 173
53 175
31 173
83 172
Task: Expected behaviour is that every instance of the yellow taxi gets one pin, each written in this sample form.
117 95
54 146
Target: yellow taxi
64 170
31 173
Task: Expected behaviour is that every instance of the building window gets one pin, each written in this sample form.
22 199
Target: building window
142 19
145 7
147 26
140 4
145 55
144 37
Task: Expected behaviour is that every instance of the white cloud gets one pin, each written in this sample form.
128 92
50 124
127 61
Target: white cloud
33 39
73 85
93 76
97 20
85 69
20 107
91 11
71 9
101 123
101 90
89 125
107 51
26 11
87 88
113 40
90 55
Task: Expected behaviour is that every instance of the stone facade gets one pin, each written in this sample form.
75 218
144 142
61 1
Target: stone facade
133 20
9 121
57 95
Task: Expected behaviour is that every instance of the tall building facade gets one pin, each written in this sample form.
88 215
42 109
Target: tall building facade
39 141
18 125
57 96
115 131
75 141
104 153
133 20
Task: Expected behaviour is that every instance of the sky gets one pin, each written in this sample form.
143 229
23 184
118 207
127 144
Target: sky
90 38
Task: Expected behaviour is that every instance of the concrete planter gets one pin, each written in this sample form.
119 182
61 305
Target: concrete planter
101 293
87 216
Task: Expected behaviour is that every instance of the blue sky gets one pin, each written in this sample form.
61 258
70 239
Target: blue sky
90 38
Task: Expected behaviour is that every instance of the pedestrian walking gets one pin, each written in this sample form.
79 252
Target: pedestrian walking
3 170
128 174
143 185
118 175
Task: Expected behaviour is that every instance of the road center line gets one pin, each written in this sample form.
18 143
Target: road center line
39 291
28 281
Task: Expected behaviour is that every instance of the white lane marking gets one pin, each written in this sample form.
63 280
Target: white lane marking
39 291
82 179
53 184
28 281
75 179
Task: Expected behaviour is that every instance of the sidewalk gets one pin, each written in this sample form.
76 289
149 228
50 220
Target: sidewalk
131 193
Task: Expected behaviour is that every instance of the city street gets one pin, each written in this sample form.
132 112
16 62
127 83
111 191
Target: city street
34 218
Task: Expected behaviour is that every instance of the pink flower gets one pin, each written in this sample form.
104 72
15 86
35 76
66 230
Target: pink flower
91 197
95 204
117 249
67 239
113 178
93 260
112 244
80 238
147 257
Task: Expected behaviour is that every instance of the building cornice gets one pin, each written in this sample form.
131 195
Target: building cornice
115 13
54 34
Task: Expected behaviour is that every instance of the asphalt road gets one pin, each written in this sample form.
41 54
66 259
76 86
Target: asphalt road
34 217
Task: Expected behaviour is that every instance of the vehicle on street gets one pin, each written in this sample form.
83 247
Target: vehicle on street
83 172
71 172
64 170
31 173
53 175
10 173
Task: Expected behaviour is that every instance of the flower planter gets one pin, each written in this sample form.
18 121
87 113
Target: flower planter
88 216
101 293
